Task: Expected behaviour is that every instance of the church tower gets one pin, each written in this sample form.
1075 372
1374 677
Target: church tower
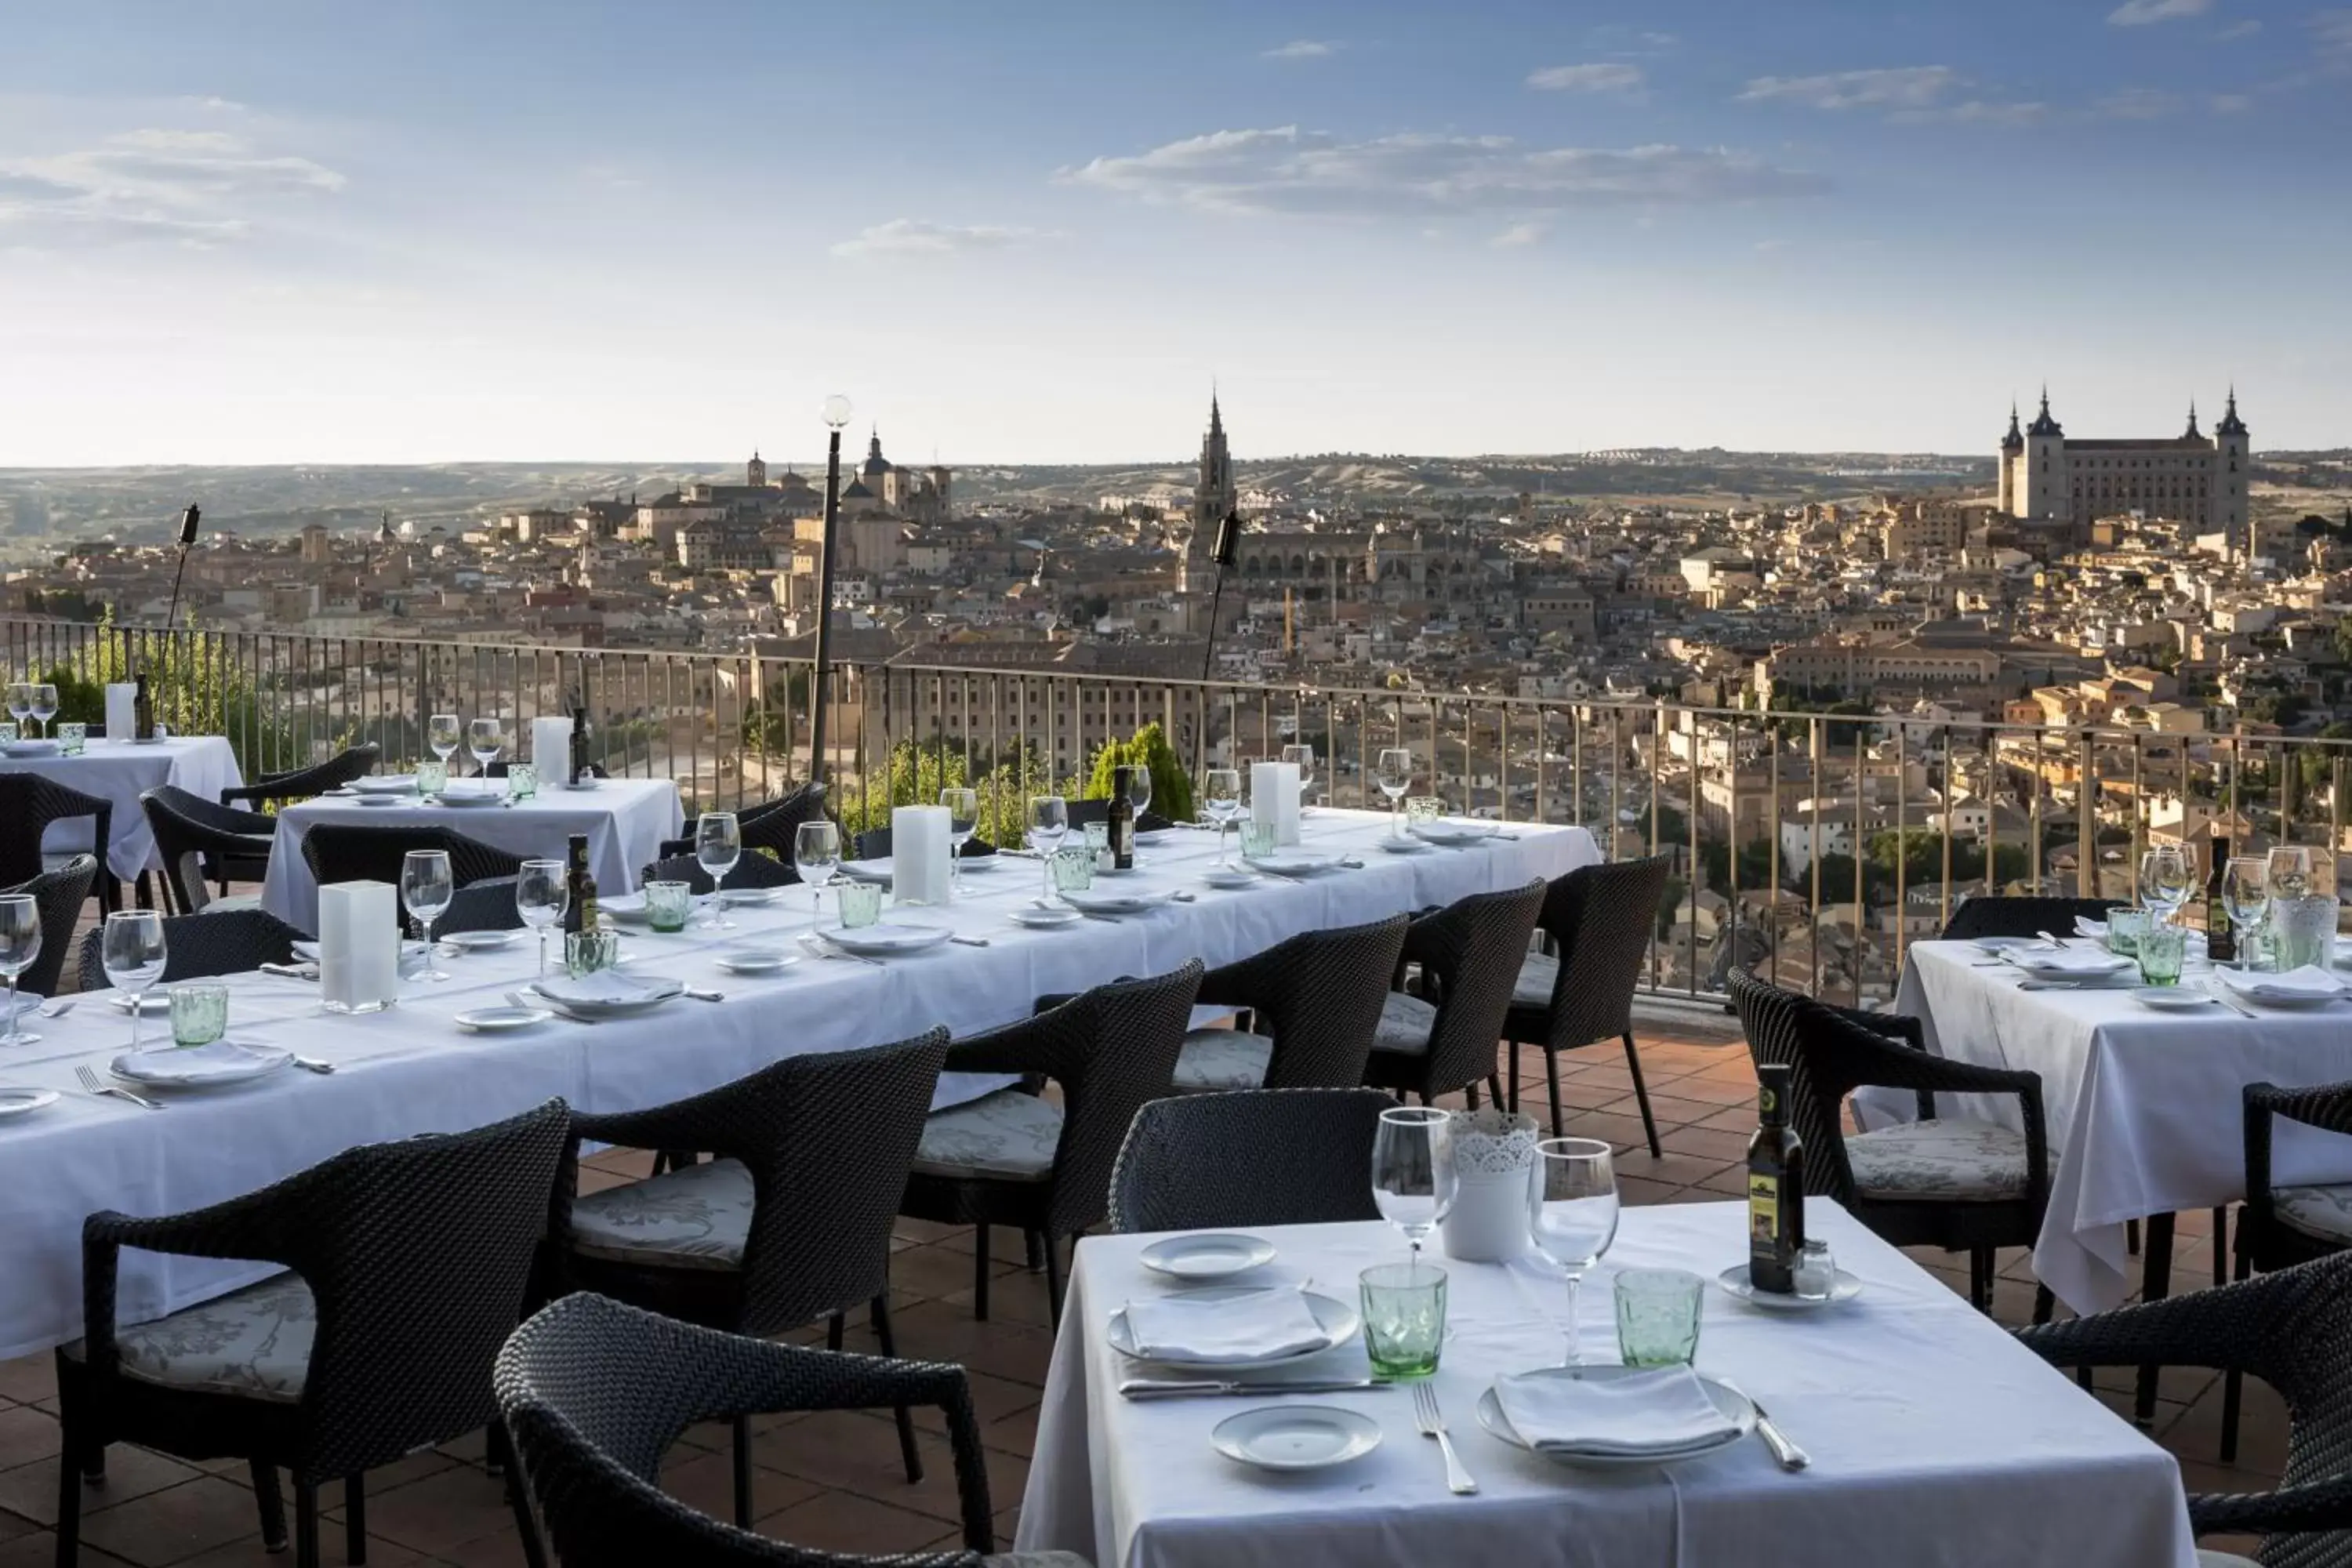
755 472
2013 448
2232 465
2045 493
1214 496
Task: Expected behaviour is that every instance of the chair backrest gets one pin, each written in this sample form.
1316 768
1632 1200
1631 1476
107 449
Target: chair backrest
1115 1051
1253 1157
1814 1043
346 852
1470 954
229 942
29 803
297 784
2025 916
487 905
874 843
750 871
1320 995
593 1394
1602 920
1081 812
772 825
187 828
58 895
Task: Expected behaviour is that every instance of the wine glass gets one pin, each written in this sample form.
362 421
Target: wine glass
542 893
1393 773
441 734
2246 893
816 855
20 701
1301 757
485 740
2289 870
426 886
1049 823
2164 880
1572 1211
45 704
1220 797
963 820
718 845
133 953
20 945
1412 1184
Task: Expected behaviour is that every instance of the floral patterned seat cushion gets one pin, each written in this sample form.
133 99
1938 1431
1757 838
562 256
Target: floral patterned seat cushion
1950 1157
1222 1058
1007 1136
2322 1214
695 1216
1537 973
254 1342
1404 1026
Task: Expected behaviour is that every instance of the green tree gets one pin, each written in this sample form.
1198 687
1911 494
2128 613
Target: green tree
1171 786
914 774
198 689
2317 763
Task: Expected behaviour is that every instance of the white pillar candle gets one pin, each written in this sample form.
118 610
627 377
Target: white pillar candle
122 711
359 946
920 848
1273 798
550 749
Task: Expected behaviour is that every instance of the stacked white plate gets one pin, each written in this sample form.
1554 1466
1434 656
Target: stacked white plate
1337 1319
31 748
2077 965
2310 986
384 784
877 871
1103 901
607 993
213 1065
1454 835
473 792
1295 862
884 939
1609 1448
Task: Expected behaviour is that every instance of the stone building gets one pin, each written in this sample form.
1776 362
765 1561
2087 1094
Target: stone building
2198 479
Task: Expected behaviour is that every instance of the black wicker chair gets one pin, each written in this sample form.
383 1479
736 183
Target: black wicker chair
750 871
874 843
1260 1156
230 942
789 1222
593 1394
1950 1181
1316 1001
58 896
1015 1158
1081 812
1597 920
29 803
487 905
201 842
410 1263
1443 1037
2293 1331
348 852
2022 916
770 824
302 784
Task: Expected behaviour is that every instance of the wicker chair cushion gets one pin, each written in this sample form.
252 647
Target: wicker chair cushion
254 1342
2324 1214
695 1216
1222 1058
1007 1136
1405 1023
1537 973
1948 1158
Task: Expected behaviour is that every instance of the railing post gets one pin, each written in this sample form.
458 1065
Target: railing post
2086 831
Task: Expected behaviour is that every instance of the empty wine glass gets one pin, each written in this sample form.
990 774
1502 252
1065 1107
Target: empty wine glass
542 893
45 704
1301 757
1393 773
20 701
442 732
426 886
1413 1187
1220 797
2289 869
1572 1211
816 855
2246 894
2164 880
718 845
963 821
1049 823
20 945
485 740
133 953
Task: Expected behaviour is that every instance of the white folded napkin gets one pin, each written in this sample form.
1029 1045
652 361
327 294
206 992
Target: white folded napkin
2309 981
2086 926
605 986
2065 961
1659 1411
867 871
1254 1326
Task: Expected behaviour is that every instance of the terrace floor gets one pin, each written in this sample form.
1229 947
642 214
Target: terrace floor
834 1481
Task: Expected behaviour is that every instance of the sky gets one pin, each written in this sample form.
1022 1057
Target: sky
319 231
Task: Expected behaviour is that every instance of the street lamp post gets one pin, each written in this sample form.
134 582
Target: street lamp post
836 415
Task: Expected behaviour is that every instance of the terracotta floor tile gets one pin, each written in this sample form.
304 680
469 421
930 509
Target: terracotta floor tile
438 1513
174 1523
25 1434
845 1522
32 1490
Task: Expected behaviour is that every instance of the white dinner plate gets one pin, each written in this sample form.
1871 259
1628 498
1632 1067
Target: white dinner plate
155 1003
757 960
379 797
1211 1255
749 898
1043 919
32 748
1229 876
1102 902
465 797
1296 1437
1997 945
1408 844
597 996
199 1066
877 871
497 1020
884 937
583 785
384 783
2293 1001
1295 862
2174 998
24 1101
1733 1404
1338 1319
1454 835
1735 1282
481 941
982 863
628 908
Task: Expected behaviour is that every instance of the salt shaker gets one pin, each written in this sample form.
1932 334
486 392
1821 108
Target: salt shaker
1816 1271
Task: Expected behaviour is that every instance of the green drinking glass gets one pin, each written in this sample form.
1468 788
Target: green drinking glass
1404 1317
1657 1316
199 1014
2160 951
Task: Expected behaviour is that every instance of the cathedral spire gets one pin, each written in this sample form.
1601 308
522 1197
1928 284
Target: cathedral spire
2230 424
2193 433
2015 439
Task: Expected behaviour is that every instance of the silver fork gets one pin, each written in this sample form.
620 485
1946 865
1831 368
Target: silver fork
89 1082
1433 1425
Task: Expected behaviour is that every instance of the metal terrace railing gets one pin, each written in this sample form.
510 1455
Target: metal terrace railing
1814 844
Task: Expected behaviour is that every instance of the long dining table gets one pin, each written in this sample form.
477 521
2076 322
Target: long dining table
411 1069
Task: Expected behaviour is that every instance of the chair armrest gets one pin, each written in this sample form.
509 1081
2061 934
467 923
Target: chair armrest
252 1226
2207 1328
2314 1506
1026 1046
1900 1027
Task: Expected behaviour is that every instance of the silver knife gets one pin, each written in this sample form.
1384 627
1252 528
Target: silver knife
2222 994
1788 1455
1158 1388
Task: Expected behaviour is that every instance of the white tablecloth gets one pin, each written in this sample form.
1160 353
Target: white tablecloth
2143 1107
410 1070
121 770
626 821
1935 1438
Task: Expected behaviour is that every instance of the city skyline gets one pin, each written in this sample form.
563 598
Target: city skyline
467 234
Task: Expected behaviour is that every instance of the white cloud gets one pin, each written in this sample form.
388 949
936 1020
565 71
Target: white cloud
1587 78
1302 50
2142 13
1978 111
195 186
2236 30
920 236
2333 31
2230 102
1287 170
1898 87
2137 103
1517 236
